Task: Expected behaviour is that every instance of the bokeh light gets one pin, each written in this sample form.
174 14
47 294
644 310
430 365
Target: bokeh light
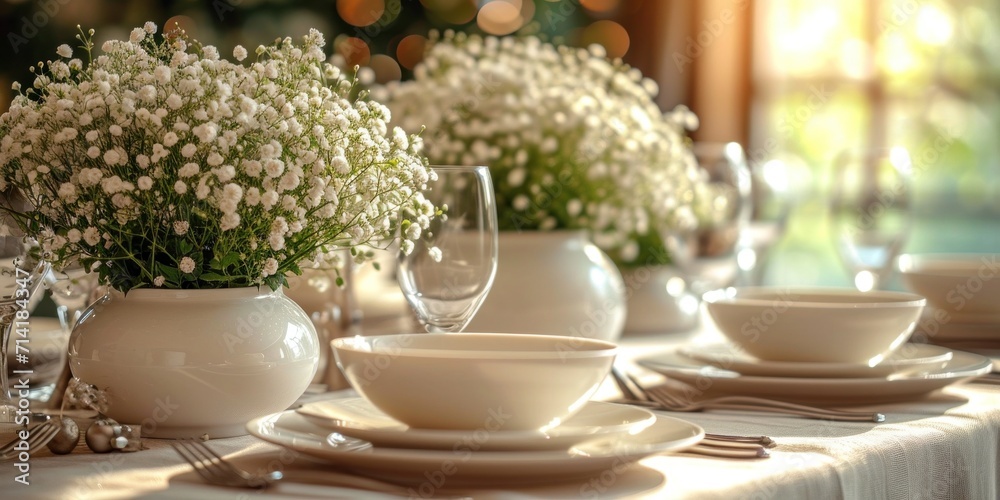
361 12
185 23
354 51
410 50
386 68
934 25
610 34
500 17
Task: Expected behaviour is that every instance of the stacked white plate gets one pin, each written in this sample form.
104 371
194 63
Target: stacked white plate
963 297
912 372
959 330
600 436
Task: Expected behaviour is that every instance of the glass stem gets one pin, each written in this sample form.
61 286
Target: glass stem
65 319
7 406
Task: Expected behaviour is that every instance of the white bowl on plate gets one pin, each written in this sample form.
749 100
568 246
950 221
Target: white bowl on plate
475 381
830 325
967 286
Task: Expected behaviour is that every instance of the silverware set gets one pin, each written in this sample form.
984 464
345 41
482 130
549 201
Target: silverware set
713 445
676 398
671 400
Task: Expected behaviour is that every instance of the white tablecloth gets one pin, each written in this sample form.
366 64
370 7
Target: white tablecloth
946 446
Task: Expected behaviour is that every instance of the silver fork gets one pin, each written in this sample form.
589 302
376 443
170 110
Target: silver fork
215 469
38 436
715 445
671 400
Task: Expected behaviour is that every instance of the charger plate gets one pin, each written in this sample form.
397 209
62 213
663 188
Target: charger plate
359 418
909 358
714 381
463 466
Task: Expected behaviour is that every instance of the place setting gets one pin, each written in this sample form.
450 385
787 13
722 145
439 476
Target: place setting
503 422
480 408
828 347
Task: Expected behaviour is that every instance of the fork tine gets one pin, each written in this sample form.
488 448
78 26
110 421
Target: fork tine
216 459
214 468
201 465
42 435
642 390
38 436
9 447
192 460
664 395
619 378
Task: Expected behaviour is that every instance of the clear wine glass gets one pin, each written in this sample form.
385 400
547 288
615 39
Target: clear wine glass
447 275
20 277
73 289
707 256
870 211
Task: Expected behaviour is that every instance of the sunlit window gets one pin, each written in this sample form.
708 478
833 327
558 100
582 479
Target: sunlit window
830 75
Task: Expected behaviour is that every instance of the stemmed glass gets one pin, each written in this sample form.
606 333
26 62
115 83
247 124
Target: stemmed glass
450 269
707 256
20 276
870 211
73 289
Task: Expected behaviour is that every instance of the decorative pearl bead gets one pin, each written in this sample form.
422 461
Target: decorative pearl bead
119 442
99 435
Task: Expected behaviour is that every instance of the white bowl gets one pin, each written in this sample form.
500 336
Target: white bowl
815 324
965 285
475 381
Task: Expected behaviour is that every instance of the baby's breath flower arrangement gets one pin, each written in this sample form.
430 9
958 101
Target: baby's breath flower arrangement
164 165
573 140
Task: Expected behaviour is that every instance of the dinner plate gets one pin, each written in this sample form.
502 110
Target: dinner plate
464 466
909 358
359 418
984 319
715 381
959 331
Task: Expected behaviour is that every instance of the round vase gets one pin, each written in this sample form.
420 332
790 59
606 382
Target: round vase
659 301
555 283
184 363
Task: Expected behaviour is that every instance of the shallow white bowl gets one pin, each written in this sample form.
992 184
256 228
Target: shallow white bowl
964 285
475 381
815 324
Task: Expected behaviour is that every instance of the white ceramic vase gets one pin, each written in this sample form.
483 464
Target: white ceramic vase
184 363
659 301
555 283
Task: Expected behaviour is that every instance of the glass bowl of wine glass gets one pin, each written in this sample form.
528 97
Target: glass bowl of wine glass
446 275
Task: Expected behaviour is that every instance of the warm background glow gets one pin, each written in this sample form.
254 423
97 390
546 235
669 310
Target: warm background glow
792 80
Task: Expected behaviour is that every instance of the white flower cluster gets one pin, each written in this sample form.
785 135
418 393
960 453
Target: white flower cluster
172 167
573 141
